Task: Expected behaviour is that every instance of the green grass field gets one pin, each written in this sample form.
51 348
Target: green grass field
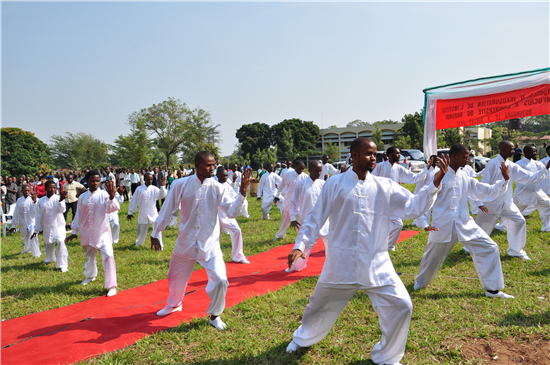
452 311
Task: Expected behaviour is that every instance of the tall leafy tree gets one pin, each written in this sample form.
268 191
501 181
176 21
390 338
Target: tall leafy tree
376 137
264 156
132 150
413 128
286 148
332 151
305 135
253 136
358 123
201 134
77 151
23 153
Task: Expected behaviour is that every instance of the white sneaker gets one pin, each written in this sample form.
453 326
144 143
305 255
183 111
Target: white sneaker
24 252
243 261
64 269
500 294
417 285
523 256
111 292
87 280
277 238
392 248
218 323
289 270
292 347
167 310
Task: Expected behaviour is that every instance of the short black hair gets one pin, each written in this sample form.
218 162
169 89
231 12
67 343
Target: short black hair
48 183
358 143
313 163
528 147
299 163
221 170
92 173
201 157
458 148
390 150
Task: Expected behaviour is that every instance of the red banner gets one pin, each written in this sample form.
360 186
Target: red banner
464 112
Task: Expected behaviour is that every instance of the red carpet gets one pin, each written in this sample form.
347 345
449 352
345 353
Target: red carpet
90 328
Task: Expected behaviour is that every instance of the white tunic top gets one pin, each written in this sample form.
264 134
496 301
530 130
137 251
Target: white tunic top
306 193
49 217
451 206
328 169
268 186
199 227
545 184
235 185
147 198
287 186
25 210
398 173
518 174
92 218
526 194
360 211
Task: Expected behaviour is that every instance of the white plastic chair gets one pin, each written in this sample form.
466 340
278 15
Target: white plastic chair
5 220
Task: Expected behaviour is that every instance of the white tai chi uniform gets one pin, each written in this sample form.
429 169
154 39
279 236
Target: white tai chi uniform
452 217
267 190
399 174
527 195
234 184
146 197
287 186
427 180
92 221
232 227
50 220
471 173
503 207
198 237
113 219
357 257
328 169
25 211
306 194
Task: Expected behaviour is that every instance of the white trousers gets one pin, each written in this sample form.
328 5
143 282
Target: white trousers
266 207
396 225
285 222
30 245
115 226
237 253
515 223
62 260
108 260
392 303
142 235
543 206
484 252
179 273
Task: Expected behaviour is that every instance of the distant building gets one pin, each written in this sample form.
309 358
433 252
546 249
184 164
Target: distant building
479 134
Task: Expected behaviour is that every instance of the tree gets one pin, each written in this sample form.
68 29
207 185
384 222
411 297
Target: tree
449 137
132 151
413 128
332 151
23 153
264 156
253 136
76 151
332 126
305 135
386 121
401 141
500 134
201 135
376 137
358 123
287 146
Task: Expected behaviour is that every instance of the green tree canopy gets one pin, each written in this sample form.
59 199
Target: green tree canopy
132 151
253 136
376 137
23 153
264 156
332 151
305 135
413 128
77 151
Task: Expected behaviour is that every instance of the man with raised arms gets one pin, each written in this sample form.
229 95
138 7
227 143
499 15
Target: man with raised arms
328 169
359 205
92 221
201 200
391 169
25 211
451 222
306 193
503 206
267 189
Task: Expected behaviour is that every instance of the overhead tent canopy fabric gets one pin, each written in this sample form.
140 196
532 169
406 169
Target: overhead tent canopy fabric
484 100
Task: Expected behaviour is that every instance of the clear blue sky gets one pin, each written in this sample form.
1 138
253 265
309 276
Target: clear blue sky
84 67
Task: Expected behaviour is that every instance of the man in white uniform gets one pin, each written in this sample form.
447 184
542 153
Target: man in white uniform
113 217
391 169
503 207
452 223
92 221
230 224
531 194
25 210
359 205
234 178
545 184
146 197
289 181
267 190
50 220
174 219
328 169
306 193
201 200
432 168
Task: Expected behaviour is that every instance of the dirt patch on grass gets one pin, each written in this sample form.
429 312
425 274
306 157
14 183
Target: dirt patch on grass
526 350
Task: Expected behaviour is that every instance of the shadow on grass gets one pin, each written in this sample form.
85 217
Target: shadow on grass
544 272
444 295
68 288
30 266
518 318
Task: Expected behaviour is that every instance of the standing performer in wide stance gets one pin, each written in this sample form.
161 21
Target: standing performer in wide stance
267 189
92 221
451 222
287 189
201 199
391 169
146 196
503 207
50 220
306 194
359 205
25 210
